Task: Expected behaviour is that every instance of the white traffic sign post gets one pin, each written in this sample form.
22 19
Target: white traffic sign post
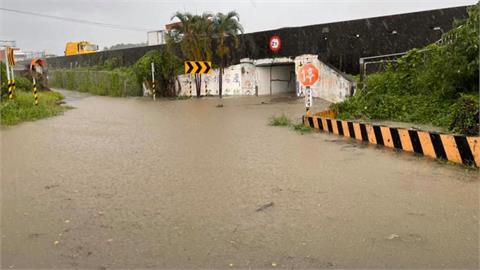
153 81
7 66
308 76
308 98
10 63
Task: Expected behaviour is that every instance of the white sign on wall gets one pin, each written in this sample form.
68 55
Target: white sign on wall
308 97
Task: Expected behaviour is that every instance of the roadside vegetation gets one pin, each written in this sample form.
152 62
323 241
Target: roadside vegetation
98 81
200 37
197 37
284 121
22 107
109 79
225 25
167 67
437 85
279 121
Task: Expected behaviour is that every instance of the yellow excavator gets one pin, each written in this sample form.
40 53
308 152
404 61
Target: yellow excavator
80 47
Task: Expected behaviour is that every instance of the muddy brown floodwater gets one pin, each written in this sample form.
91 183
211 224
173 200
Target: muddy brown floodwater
132 183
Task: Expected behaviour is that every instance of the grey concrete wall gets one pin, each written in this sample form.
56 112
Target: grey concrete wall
340 44
277 79
262 75
283 79
332 85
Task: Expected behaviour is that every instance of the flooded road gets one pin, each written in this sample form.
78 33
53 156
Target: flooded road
131 183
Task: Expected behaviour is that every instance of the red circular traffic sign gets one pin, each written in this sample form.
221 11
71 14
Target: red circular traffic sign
275 43
308 75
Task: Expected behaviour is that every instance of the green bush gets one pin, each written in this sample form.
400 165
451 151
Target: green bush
281 120
23 84
70 79
167 67
465 115
22 107
428 86
302 128
111 63
117 82
3 86
284 121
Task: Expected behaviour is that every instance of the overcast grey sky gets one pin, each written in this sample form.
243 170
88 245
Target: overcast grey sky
37 33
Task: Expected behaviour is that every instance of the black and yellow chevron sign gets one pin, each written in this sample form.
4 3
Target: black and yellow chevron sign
198 67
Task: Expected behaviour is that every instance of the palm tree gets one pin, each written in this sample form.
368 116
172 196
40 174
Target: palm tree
193 34
225 25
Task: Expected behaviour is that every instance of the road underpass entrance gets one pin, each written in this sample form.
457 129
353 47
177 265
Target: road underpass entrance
275 78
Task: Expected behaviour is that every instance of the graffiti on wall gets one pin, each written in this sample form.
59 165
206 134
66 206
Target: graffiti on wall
241 79
331 85
237 80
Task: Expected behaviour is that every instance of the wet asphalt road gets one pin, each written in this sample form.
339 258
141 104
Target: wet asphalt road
131 183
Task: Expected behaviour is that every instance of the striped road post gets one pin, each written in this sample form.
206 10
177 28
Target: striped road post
10 94
7 67
153 81
35 91
10 63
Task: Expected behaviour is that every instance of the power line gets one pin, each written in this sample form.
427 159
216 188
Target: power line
108 25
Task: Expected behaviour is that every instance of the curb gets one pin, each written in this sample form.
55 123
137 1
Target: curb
456 148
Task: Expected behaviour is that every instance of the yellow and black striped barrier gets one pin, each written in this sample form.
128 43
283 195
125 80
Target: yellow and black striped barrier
456 148
154 89
10 63
35 91
11 88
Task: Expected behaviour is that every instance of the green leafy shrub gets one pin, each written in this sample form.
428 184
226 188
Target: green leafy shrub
23 84
465 114
71 83
117 82
284 121
22 107
302 128
281 120
427 86
167 67
111 63
3 86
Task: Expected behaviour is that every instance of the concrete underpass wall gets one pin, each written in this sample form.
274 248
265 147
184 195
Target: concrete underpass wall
271 77
283 79
238 80
275 79
340 44
332 85
262 75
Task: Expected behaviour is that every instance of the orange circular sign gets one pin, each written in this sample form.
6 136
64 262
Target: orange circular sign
308 75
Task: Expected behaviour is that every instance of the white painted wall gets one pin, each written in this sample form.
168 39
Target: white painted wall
283 79
237 80
331 85
262 75
242 79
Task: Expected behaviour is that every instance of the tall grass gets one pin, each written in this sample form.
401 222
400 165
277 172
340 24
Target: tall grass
437 85
284 121
116 83
22 107
281 120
